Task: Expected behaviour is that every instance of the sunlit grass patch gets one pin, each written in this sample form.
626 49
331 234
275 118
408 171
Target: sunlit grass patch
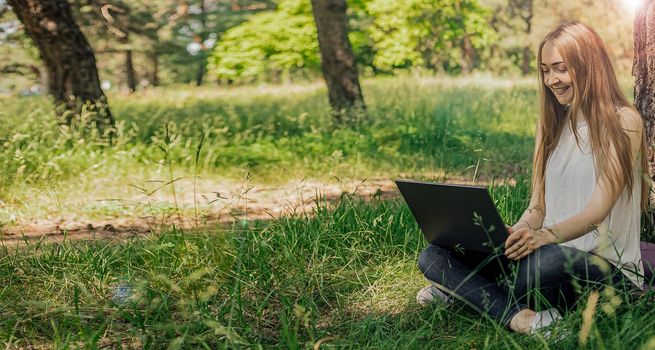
344 276
392 291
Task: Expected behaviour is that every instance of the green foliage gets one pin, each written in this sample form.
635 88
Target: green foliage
273 45
279 43
426 33
384 35
158 34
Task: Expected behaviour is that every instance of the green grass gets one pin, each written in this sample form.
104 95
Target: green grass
345 277
423 126
426 128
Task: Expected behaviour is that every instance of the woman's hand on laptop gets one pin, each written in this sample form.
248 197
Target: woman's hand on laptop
523 240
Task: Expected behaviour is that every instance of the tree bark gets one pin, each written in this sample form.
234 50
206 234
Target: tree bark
527 57
129 64
200 74
643 70
154 75
71 66
468 55
203 57
337 60
129 70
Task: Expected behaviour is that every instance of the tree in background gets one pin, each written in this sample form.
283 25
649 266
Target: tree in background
70 62
337 59
523 9
206 22
271 45
281 44
610 18
513 21
19 58
643 70
163 41
170 41
201 37
116 18
440 35
130 29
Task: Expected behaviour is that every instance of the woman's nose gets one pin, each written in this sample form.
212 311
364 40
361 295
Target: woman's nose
551 80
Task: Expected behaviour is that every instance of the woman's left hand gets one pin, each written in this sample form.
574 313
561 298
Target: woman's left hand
524 241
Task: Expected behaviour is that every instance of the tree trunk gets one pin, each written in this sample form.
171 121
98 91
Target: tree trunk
337 60
125 40
154 75
643 69
203 34
129 71
524 10
468 54
71 66
201 71
527 57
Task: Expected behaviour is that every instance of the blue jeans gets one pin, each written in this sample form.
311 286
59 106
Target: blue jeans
551 276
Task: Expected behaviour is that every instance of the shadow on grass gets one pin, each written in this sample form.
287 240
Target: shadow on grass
344 276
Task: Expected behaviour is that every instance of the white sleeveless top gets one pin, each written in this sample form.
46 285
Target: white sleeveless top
570 179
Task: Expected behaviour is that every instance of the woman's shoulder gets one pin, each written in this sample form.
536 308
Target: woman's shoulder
630 119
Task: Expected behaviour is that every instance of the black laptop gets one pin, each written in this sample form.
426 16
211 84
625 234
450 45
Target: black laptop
455 215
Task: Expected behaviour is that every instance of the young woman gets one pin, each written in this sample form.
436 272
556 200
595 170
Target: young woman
589 182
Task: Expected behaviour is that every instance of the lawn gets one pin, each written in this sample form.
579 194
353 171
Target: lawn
344 277
341 276
426 128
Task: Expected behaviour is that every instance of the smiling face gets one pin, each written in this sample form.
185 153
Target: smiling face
555 73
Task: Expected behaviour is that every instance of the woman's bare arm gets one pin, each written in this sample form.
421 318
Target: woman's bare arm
524 240
603 197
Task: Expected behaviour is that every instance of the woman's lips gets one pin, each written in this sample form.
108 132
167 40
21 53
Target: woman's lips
560 91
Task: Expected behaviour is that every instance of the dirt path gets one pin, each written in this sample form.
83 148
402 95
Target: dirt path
211 206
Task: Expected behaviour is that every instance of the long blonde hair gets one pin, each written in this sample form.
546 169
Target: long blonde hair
596 96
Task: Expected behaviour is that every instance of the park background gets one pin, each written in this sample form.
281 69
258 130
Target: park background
232 206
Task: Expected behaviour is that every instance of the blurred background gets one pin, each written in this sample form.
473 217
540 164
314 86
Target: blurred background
141 44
